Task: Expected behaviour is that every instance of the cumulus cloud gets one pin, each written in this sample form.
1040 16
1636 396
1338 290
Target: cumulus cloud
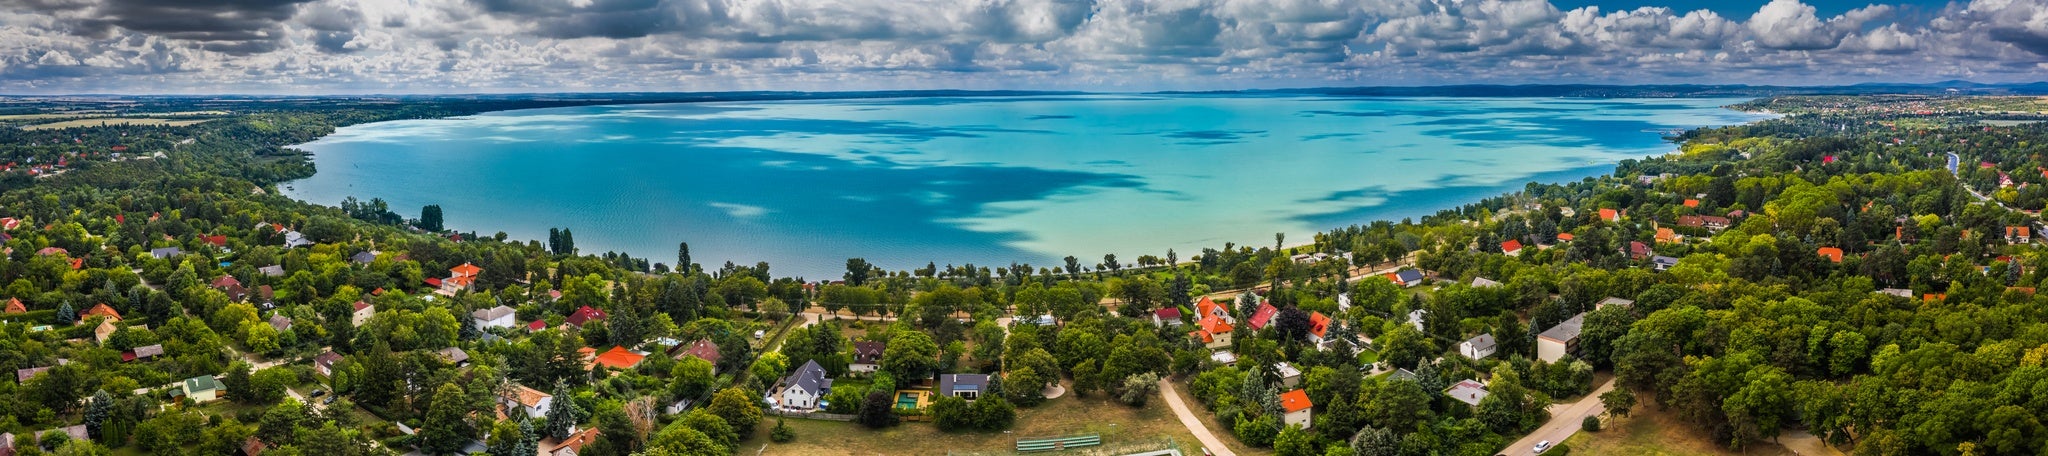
550 45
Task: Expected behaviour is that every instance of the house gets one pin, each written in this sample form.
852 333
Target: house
618 358
1610 215
1612 301
362 313
1689 202
105 330
1900 292
1834 254
1224 357
1415 318
1482 282
142 353
964 386
1343 302
1639 251
218 240
1166 316
293 239
537 325
75 432
1559 340
23 375
1318 328
1212 331
1566 237
703 349
867 356
1709 222
364 257
324 364
460 278
14 306
280 323
1401 374
166 252
253 447
678 406
583 315
1469 392
1478 347
803 388
1264 316
1666 236
201 389
1511 248
1297 407
9 223
534 402
1207 307
571 446
453 355
233 288
100 310
1041 320
1290 376
495 317
271 271
265 297
1660 262
1405 278
2017 234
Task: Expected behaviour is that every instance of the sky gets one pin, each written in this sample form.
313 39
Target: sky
469 46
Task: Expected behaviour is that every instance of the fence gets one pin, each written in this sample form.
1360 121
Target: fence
811 415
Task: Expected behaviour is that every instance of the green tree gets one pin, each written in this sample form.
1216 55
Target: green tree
1618 401
505 439
1293 441
950 413
739 409
430 218
911 355
875 411
692 378
563 414
96 411
1085 378
446 430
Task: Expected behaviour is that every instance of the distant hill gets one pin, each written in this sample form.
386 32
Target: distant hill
1657 91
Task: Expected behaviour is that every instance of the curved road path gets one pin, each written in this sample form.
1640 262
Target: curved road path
1564 421
1193 422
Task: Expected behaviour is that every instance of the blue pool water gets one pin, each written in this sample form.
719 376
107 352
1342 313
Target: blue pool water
901 182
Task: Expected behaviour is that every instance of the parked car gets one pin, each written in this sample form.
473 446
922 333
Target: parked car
1542 446
328 400
318 393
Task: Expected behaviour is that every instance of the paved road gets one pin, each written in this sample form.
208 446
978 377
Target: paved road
1564 421
1192 421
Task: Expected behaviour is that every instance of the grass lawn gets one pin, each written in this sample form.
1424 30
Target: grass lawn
1121 427
1648 432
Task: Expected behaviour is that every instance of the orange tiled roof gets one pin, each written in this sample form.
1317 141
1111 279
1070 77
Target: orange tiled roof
465 270
14 305
1833 254
1295 401
619 358
1318 324
103 310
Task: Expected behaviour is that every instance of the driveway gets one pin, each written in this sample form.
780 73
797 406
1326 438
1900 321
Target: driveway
1564 421
1193 422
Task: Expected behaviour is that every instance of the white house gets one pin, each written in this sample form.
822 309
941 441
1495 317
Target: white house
362 313
802 389
1467 391
1415 319
201 389
1290 376
1555 342
534 402
1478 347
867 356
495 317
1297 407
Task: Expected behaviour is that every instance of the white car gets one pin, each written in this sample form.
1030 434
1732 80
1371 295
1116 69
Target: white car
1541 446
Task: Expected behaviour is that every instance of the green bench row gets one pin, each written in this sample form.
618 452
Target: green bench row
1060 443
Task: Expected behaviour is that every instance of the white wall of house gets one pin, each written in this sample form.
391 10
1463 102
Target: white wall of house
502 322
1297 418
862 368
1470 351
1550 350
797 398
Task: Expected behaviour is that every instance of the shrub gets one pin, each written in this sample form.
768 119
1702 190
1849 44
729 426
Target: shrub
1561 450
1590 424
782 433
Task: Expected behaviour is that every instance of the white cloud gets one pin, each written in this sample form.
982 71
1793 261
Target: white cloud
485 45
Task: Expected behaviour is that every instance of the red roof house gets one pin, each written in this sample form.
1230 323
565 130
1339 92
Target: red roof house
1511 247
619 358
1263 316
585 314
1833 254
14 306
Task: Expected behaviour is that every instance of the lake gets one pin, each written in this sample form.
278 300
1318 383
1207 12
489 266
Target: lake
804 185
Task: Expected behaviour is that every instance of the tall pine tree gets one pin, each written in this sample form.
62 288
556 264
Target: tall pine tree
562 414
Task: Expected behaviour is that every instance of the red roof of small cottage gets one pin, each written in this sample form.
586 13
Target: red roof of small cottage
584 315
1295 401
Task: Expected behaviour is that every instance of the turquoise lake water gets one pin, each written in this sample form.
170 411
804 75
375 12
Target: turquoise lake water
805 185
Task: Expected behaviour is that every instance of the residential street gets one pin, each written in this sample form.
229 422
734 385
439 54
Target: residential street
1192 421
1564 421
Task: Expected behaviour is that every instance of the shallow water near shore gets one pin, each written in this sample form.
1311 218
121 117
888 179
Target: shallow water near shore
805 185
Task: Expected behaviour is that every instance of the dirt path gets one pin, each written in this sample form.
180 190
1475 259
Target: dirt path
1193 422
1564 421
1806 444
